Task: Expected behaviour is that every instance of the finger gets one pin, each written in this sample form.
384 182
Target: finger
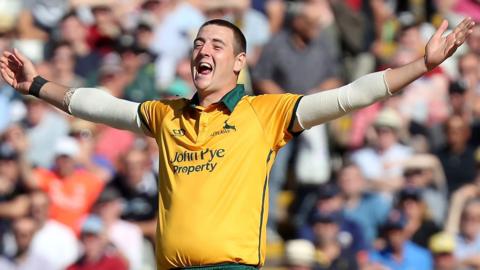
5 76
441 30
4 60
463 34
10 73
15 60
19 55
13 64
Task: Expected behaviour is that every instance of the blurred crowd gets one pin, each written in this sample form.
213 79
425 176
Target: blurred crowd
393 186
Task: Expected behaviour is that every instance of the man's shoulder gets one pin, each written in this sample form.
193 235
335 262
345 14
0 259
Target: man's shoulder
172 104
270 97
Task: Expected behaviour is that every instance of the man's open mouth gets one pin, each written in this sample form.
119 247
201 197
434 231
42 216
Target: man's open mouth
204 68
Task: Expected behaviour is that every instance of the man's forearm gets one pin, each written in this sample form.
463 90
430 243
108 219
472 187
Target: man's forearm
327 105
400 77
56 95
324 106
93 105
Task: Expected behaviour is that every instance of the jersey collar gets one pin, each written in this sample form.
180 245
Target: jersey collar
230 100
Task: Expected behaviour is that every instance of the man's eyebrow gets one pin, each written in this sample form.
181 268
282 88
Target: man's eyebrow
199 39
217 40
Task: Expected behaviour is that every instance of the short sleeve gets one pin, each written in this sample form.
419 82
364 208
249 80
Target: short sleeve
276 114
151 114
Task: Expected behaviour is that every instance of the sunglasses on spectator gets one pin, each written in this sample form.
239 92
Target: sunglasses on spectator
469 217
412 172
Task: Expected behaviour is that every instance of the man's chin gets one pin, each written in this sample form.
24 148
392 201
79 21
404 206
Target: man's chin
201 86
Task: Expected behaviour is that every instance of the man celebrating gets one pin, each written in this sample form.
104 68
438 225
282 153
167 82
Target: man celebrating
216 150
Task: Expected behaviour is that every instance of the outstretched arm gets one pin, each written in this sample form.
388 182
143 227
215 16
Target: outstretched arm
87 103
324 106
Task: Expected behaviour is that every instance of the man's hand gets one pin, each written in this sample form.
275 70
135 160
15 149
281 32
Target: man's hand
440 48
17 70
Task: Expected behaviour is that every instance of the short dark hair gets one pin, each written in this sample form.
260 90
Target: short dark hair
240 45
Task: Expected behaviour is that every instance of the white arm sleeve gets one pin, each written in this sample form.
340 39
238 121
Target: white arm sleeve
324 106
98 106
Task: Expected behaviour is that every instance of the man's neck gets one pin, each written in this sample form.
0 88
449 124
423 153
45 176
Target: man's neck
207 98
20 256
352 200
458 148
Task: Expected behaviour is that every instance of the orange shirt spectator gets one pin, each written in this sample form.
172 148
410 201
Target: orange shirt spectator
72 191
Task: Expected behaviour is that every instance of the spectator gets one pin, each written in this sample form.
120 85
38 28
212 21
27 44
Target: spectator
419 226
14 201
464 222
468 241
98 253
367 208
333 247
24 259
63 65
399 253
457 157
15 181
330 202
424 172
299 255
75 32
139 73
53 240
85 134
458 100
137 184
173 36
300 58
104 33
71 191
125 236
43 127
382 163
442 246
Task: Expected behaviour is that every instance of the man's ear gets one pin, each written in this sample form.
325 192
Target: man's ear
240 62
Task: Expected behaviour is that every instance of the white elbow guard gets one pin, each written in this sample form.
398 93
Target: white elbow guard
99 106
327 105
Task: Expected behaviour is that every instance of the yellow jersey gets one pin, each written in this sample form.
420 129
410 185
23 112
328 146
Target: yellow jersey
213 175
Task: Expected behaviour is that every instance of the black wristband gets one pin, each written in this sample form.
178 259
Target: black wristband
37 84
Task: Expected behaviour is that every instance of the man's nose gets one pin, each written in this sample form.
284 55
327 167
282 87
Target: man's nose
205 50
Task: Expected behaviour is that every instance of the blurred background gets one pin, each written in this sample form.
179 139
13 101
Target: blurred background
393 186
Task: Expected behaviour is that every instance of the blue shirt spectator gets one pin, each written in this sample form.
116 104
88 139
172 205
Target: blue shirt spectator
413 258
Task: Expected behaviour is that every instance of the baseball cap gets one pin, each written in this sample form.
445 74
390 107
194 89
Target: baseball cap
322 217
388 118
327 191
441 243
420 161
457 87
299 252
396 221
411 193
93 224
111 64
66 146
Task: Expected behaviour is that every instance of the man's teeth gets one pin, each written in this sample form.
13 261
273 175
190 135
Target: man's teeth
205 65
